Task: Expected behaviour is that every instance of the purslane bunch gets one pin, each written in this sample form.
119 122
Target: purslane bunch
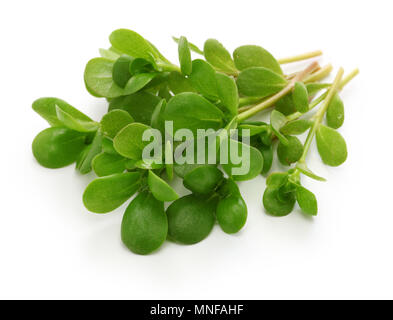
217 91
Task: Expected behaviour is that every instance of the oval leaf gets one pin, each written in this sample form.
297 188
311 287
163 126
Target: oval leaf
331 146
184 56
307 201
121 71
231 214
300 97
203 79
275 204
105 164
114 121
160 189
335 113
203 180
291 152
74 123
227 93
219 57
296 127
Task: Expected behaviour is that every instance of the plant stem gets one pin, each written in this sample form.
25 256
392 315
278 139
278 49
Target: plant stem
273 99
320 74
322 97
321 112
300 57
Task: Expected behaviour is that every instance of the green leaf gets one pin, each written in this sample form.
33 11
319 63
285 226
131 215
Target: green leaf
231 214
254 161
191 219
314 87
255 56
191 111
300 97
145 226
203 79
149 164
169 160
296 127
46 108
107 146
291 152
139 105
227 93
105 164
140 65
184 56
157 121
105 194
260 82
74 123
331 146
276 204
277 121
160 189
84 162
254 129
277 179
138 82
178 83
203 179
219 57
267 154
121 71
192 46
306 171
57 147
285 105
181 170
128 142
133 44
114 121
335 113
109 54
307 201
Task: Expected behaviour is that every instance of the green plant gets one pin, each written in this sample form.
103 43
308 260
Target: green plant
220 92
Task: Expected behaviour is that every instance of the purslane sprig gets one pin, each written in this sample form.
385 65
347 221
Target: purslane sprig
145 92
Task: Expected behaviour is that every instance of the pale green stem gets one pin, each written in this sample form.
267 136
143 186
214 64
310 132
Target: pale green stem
300 57
322 97
321 112
320 74
273 99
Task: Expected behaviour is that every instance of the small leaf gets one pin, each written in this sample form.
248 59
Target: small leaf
145 226
296 127
114 121
231 214
184 56
74 123
335 113
109 54
307 201
277 121
260 82
132 44
285 105
157 121
331 146
138 82
191 219
105 194
203 79
267 154
178 83
139 105
46 108
121 71
191 111
203 179
219 57
314 87
149 164
105 164
140 65
84 162
57 147
254 129
300 97
255 56
169 160
277 180
291 152
227 93
160 189
192 46
277 205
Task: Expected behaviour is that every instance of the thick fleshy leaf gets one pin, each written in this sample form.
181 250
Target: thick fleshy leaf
191 218
285 105
291 152
178 83
169 160
128 142
255 56
114 121
74 123
296 127
267 154
335 113
227 93
300 97
276 204
203 79
84 162
219 57
105 164
307 201
277 121
231 214
203 179
140 65
145 226
157 120
260 82
58 147
105 194
161 190
138 82
191 111
184 56
121 71
192 46
46 108
132 44
331 146
109 54
139 105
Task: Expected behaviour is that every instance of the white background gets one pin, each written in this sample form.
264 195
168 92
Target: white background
52 247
